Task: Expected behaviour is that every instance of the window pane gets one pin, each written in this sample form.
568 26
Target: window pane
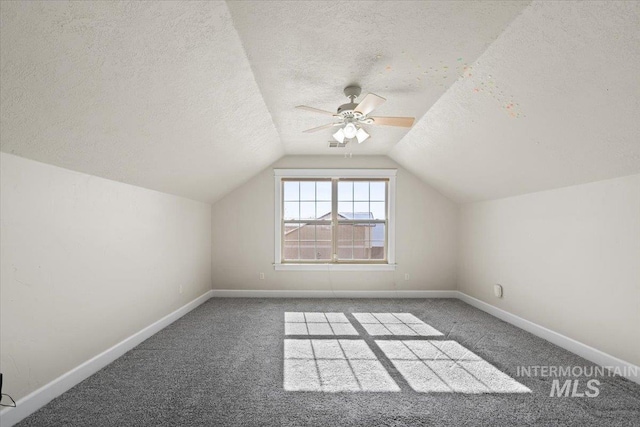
377 238
291 241
291 190
323 209
377 249
345 233
361 241
307 210
291 210
323 242
377 191
307 242
361 190
345 209
378 210
323 191
359 231
291 251
345 190
345 252
307 190
345 241
361 210
360 249
291 232
307 250
323 251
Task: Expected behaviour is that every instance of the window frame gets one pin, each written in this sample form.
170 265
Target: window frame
281 175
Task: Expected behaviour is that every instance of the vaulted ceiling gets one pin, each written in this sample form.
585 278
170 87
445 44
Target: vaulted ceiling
194 98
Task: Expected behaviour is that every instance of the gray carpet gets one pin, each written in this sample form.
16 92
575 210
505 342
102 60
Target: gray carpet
222 364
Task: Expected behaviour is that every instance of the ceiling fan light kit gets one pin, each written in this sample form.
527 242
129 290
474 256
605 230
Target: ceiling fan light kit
361 135
339 136
350 130
352 115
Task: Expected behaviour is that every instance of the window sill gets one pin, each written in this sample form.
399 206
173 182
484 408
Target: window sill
334 267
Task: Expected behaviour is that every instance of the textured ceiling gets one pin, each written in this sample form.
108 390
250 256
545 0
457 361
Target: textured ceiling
155 94
193 98
306 52
554 101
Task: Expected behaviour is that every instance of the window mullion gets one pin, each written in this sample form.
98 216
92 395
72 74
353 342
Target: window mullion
315 226
282 226
386 220
334 220
353 226
299 230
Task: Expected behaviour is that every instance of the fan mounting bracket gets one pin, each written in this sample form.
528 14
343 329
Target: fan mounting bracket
352 92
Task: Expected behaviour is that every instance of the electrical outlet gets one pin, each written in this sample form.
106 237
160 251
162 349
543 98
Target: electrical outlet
497 290
180 289
261 276
406 276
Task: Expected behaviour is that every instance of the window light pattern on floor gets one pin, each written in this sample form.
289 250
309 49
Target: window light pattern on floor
317 324
330 365
405 324
446 366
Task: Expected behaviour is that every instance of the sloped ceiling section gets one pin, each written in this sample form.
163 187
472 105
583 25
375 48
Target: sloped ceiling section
193 98
306 52
554 101
155 94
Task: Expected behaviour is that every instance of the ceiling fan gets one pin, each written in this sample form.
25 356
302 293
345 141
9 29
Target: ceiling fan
352 115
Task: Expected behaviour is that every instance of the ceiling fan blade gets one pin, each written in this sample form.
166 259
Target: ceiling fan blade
369 103
405 122
315 110
329 125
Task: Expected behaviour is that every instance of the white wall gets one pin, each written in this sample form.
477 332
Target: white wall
243 230
569 260
87 262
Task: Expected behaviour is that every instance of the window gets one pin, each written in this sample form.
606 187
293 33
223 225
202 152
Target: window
337 219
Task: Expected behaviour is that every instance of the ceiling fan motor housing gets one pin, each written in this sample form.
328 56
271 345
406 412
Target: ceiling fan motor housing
353 114
347 111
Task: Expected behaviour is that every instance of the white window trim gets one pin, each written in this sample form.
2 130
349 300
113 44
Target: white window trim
390 174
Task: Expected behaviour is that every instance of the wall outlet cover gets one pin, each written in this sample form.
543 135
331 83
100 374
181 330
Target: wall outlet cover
497 290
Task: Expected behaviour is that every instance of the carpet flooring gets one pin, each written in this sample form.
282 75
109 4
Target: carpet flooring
223 364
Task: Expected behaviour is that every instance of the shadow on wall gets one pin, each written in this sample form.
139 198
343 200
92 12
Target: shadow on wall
356 362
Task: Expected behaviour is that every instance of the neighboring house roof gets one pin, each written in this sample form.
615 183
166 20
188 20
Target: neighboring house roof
356 215
377 234
349 215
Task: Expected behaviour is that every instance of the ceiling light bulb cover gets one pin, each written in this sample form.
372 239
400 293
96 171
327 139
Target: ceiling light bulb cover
350 130
361 135
339 136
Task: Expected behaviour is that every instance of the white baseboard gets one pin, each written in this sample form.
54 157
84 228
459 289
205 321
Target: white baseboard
583 350
40 397
232 293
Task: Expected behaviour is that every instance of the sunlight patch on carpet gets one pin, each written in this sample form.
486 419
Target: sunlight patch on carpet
334 366
317 324
446 366
405 324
